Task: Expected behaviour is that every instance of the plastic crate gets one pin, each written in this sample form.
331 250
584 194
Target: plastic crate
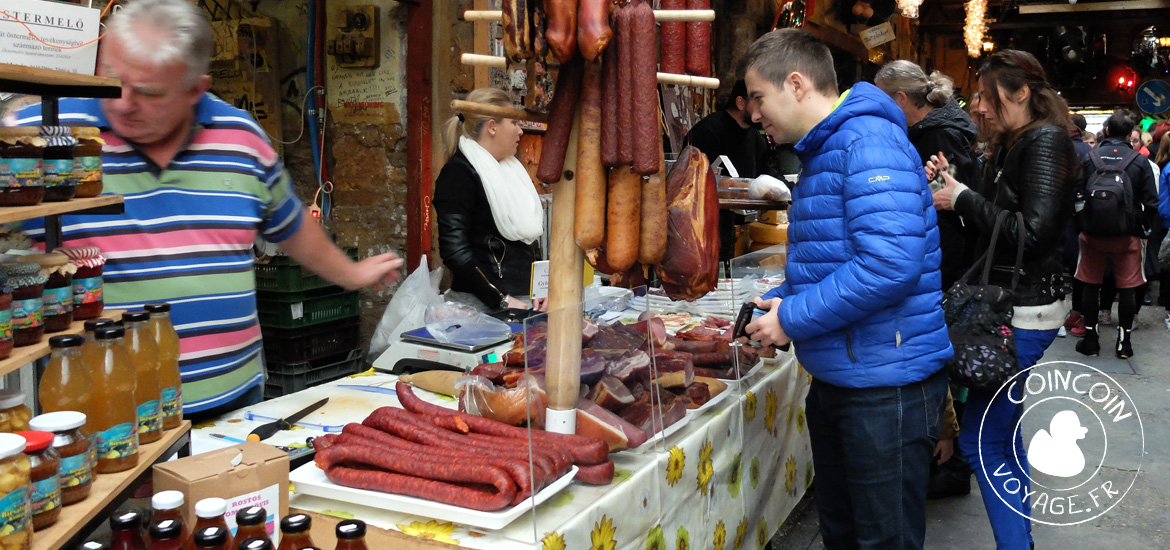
283 274
311 342
286 378
290 310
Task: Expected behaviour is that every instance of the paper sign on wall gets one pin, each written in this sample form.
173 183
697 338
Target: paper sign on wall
877 35
539 285
56 25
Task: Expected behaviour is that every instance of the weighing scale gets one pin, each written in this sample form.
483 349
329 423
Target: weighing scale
419 344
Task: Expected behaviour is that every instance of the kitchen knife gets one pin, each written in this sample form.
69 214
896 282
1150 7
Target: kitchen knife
265 431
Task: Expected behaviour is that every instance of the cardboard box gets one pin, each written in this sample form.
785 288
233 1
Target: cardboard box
248 474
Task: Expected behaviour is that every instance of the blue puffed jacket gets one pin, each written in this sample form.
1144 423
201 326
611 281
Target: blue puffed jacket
862 298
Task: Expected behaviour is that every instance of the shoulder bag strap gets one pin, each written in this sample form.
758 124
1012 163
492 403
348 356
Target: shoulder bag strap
1019 250
990 256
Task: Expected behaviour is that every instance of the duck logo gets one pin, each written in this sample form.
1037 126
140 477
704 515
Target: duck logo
1068 413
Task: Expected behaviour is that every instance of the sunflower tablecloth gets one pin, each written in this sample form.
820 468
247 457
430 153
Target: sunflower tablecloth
725 481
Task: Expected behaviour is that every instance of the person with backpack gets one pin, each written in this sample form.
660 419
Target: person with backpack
1120 208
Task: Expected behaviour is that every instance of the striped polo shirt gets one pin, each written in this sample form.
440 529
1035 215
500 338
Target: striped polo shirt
186 237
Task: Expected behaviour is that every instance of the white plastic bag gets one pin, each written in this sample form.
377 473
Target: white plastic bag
407 308
450 322
768 187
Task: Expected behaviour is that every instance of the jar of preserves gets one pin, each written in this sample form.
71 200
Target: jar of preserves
15 482
87 161
21 158
57 165
57 299
28 293
45 464
88 299
6 341
14 414
76 475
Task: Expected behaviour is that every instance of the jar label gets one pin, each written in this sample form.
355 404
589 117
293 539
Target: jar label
76 470
14 514
118 442
20 172
5 325
93 450
27 314
58 172
87 291
58 301
149 417
46 495
172 401
88 169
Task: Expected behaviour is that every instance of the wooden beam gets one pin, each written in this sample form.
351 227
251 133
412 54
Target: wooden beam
838 39
419 184
1126 5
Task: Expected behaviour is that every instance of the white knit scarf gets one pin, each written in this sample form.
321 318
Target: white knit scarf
510 193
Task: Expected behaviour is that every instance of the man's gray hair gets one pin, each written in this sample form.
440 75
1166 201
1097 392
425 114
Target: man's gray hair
183 33
782 52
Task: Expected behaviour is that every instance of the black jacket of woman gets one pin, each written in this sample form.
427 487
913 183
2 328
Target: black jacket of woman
1037 175
482 261
949 129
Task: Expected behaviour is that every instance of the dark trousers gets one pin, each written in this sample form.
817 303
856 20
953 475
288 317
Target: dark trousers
872 449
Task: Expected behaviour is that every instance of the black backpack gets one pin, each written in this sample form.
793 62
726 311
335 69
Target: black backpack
1109 209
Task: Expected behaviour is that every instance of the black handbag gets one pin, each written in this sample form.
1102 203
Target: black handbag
979 321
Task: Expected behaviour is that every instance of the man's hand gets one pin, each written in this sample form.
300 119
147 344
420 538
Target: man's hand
767 330
377 270
540 304
944 450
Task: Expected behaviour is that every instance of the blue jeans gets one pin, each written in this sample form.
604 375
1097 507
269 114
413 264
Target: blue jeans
1009 521
872 449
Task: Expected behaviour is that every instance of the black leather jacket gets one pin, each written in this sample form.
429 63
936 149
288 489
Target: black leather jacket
1038 176
483 262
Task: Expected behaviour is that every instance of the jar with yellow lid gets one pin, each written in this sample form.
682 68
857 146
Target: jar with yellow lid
15 485
57 301
22 153
87 161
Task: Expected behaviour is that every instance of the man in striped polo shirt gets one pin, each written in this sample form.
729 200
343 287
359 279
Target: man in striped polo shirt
200 180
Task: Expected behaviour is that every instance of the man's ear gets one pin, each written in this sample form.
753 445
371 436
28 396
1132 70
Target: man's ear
799 84
741 103
202 85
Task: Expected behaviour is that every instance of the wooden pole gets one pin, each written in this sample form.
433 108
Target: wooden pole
566 265
659 15
495 111
498 62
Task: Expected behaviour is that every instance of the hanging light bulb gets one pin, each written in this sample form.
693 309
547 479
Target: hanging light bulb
909 8
975 26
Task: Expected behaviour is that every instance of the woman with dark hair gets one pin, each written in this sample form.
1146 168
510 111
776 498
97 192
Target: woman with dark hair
1035 171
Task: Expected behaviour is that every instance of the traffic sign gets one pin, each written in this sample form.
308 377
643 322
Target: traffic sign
1153 97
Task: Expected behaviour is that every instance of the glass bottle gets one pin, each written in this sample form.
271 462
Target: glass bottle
168 534
169 505
116 422
97 545
169 378
294 532
89 347
66 384
143 354
126 532
209 513
252 522
351 535
212 538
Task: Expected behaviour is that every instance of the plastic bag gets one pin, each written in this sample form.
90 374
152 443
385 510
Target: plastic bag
407 308
449 322
514 406
768 187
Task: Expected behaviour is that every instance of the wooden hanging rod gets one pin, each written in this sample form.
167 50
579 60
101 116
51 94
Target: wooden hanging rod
495 111
659 15
663 78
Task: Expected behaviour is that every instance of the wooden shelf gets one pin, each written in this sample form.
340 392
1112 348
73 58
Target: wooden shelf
27 354
106 488
47 82
752 204
74 206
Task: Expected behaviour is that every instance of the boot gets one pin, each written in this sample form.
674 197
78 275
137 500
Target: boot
1124 347
1090 345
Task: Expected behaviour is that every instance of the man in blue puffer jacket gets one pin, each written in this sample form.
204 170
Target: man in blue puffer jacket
862 299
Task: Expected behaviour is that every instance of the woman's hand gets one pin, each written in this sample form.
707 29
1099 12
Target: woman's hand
944 199
540 304
936 164
513 303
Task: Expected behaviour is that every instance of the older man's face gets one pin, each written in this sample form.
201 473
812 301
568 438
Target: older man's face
156 101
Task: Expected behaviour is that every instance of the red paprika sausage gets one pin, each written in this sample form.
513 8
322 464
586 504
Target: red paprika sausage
609 102
625 113
438 491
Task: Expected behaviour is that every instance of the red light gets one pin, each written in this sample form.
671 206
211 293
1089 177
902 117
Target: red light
315 213
1129 84
1120 80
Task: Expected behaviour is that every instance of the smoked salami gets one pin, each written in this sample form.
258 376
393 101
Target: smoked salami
560 122
589 218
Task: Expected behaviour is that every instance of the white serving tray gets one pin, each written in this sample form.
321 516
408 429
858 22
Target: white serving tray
311 480
661 436
742 376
